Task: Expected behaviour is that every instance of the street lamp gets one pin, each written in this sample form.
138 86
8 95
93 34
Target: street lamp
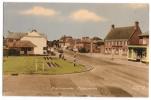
91 47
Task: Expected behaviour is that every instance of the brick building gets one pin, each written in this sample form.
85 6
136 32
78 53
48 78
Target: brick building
118 38
93 45
66 42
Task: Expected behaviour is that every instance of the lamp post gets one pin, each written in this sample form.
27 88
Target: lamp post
91 47
36 66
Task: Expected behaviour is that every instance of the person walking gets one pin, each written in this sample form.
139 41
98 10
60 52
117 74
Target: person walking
75 58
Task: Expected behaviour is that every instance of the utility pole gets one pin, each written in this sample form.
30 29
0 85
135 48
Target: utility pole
64 40
75 44
91 47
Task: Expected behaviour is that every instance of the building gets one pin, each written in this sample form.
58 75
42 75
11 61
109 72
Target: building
98 45
37 39
140 52
66 42
87 44
118 38
31 43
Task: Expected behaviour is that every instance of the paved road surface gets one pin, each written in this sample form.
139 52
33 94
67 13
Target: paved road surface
106 79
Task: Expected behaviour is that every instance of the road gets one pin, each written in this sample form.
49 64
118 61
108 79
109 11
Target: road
108 78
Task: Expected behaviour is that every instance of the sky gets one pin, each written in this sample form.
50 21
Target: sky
73 19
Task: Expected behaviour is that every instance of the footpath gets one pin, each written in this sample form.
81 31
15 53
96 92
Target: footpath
116 59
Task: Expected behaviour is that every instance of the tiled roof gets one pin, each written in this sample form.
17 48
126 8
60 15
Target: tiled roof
23 43
19 35
120 33
16 35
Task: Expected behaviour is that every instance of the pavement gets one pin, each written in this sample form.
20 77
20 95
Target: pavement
109 78
117 59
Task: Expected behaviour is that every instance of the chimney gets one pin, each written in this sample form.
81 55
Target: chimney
113 26
136 24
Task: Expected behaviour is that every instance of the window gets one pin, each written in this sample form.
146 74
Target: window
29 49
120 42
113 42
44 48
106 43
126 43
117 43
106 50
109 43
123 49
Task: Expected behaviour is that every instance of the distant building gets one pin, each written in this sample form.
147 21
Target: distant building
86 39
118 38
31 43
93 45
66 42
98 45
140 52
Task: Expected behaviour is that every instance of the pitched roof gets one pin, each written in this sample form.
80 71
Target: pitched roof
16 35
120 33
23 43
19 35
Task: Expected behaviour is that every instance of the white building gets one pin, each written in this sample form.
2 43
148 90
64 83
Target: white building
37 39
31 43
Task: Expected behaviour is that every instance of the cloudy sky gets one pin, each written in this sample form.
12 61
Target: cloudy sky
77 20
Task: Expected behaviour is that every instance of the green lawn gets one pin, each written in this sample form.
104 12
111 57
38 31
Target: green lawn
27 65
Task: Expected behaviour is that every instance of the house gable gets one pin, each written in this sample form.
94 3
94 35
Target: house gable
134 38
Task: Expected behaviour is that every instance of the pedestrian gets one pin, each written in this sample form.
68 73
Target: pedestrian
75 59
63 56
60 55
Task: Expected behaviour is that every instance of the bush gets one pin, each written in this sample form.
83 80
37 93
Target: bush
5 52
13 52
